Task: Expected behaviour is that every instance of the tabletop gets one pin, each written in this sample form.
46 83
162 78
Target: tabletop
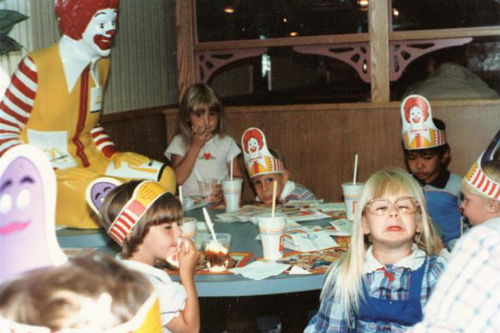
214 285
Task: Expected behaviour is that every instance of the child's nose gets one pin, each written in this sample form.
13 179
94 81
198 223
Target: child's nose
393 210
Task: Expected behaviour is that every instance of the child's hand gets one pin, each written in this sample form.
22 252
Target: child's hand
200 136
217 195
188 256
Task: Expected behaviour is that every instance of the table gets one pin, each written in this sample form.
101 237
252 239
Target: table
213 285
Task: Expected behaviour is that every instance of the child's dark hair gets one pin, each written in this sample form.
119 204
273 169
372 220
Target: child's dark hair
166 209
278 156
199 96
440 150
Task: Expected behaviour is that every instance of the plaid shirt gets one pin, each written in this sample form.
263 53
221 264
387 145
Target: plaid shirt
294 191
467 297
390 282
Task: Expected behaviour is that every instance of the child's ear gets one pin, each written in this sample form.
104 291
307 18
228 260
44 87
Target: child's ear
446 156
286 176
366 230
419 228
493 206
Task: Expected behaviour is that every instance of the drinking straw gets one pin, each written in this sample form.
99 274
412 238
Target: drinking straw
231 169
275 183
181 198
210 225
197 175
355 169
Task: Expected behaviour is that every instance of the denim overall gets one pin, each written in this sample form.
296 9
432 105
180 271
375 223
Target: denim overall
406 313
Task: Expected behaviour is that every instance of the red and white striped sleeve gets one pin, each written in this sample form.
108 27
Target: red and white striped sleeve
103 141
16 105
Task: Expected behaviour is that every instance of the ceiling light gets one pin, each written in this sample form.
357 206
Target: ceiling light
293 34
395 12
229 10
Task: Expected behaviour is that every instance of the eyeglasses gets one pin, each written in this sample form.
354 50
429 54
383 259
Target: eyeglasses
404 205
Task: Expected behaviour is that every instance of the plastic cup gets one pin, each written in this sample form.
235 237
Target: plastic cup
352 193
272 230
217 253
232 193
189 228
209 189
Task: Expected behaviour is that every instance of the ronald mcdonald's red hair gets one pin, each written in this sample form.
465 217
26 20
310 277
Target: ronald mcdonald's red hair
75 15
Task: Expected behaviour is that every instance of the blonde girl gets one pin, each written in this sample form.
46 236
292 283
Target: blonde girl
201 148
145 221
391 267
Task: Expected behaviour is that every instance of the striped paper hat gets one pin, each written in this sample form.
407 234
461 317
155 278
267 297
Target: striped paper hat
478 178
145 194
258 159
419 131
146 320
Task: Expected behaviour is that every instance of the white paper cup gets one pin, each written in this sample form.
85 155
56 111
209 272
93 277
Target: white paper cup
352 193
272 230
189 228
232 193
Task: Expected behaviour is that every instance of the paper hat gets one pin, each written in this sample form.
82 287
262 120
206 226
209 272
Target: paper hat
27 212
476 176
145 194
419 131
146 320
97 191
258 159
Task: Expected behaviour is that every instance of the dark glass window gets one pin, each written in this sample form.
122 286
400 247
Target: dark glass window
444 14
222 20
283 76
471 71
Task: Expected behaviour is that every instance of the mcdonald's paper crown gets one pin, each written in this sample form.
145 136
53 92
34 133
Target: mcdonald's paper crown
258 159
419 131
478 178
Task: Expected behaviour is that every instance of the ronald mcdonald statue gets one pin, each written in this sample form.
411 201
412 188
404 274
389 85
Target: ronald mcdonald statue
54 102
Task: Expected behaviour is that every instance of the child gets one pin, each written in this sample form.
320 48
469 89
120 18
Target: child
390 269
266 167
201 147
427 155
144 219
87 294
467 297
481 186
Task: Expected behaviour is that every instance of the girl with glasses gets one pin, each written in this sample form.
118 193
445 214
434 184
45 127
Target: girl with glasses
386 277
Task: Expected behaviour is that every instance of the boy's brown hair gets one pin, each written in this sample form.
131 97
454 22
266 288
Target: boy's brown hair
166 209
55 297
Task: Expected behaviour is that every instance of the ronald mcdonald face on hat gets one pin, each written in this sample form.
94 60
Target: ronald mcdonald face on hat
265 169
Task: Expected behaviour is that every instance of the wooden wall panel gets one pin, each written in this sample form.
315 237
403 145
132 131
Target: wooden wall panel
320 144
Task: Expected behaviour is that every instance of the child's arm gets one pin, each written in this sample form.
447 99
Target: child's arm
188 320
183 165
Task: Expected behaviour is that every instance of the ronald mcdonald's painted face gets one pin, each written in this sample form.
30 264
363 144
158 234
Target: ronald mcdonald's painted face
100 32
416 115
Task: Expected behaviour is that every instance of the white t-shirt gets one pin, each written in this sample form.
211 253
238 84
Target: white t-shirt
172 295
211 161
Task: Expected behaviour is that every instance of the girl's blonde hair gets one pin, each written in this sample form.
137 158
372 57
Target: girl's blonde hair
63 297
199 96
344 278
492 170
166 209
